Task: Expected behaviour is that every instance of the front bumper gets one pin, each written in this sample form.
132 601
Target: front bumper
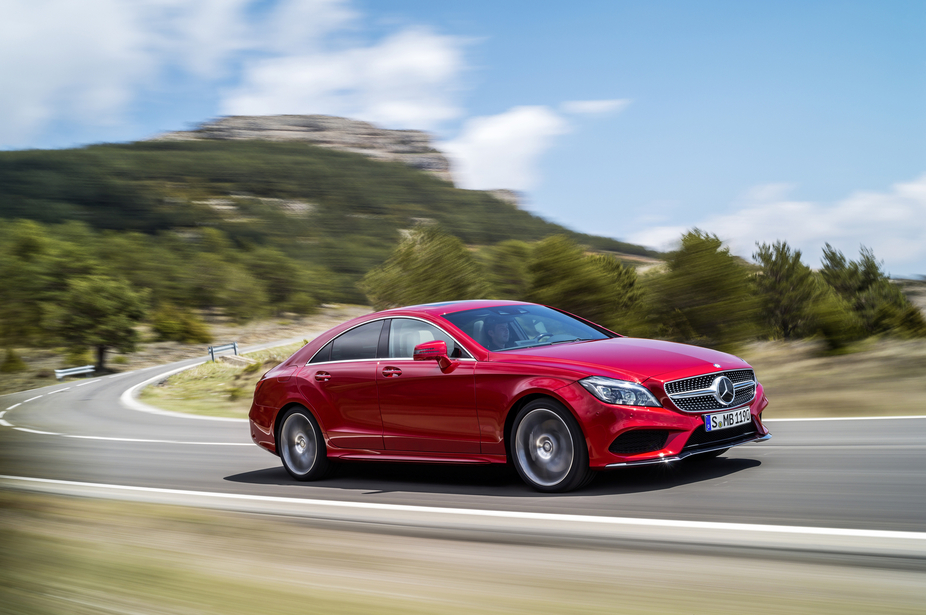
684 432
689 453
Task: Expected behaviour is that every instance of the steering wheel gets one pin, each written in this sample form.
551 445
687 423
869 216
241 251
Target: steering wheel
542 336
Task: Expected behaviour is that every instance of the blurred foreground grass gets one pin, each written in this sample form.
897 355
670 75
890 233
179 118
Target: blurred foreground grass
883 377
77 556
216 389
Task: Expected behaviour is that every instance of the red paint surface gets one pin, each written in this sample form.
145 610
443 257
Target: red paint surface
406 410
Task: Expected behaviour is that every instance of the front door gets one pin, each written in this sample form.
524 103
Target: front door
422 408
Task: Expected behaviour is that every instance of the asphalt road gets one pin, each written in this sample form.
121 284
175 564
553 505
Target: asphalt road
858 474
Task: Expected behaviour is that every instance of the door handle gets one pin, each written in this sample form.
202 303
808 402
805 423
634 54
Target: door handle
322 376
391 372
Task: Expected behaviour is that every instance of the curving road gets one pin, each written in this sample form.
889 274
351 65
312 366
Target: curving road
836 474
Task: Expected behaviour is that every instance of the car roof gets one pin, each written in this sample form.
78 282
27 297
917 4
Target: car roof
449 307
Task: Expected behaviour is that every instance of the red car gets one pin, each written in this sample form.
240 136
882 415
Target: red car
501 381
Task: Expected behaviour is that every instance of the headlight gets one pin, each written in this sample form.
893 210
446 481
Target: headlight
619 392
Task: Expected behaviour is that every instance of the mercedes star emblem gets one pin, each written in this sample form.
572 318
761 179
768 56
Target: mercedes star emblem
722 388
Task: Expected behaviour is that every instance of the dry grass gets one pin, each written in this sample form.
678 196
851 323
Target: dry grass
41 362
216 389
884 377
76 556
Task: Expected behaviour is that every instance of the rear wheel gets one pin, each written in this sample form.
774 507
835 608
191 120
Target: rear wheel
548 448
302 446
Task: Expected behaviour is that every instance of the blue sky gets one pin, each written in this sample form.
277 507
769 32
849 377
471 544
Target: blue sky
799 121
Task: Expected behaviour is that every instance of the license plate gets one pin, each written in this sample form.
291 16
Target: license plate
723 420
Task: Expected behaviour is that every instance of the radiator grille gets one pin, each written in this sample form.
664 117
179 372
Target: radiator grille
707 402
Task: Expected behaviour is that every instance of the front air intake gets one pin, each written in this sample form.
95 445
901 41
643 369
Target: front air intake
639 441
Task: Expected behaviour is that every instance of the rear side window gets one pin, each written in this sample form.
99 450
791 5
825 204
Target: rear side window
359 343
322 355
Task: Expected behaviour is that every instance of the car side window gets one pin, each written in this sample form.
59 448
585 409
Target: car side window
406 333
359 343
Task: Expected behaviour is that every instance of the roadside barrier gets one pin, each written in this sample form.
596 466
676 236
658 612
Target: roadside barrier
214 349
73 371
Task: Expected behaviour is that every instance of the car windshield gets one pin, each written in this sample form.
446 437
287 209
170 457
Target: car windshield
511 327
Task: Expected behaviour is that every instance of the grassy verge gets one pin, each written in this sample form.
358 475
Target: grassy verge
884 377
216 389
81 556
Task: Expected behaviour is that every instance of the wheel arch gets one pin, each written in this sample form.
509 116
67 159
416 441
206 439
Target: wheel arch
526 399
278 421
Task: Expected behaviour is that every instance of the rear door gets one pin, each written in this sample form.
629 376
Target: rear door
343 374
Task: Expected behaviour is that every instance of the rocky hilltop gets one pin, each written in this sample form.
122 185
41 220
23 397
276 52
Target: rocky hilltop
412 147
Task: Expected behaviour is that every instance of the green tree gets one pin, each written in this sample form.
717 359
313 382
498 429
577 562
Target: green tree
428 266
25 276
786 290
705 297
99 312
507 264
596 286
879 304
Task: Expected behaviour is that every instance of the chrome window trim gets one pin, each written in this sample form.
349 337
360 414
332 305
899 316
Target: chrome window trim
386 360
380 319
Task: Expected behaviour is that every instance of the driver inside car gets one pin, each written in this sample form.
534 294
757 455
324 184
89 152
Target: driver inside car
497 333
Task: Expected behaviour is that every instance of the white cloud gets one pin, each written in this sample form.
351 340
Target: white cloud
892 223
66 59
406 81
86 63
594 107
502 151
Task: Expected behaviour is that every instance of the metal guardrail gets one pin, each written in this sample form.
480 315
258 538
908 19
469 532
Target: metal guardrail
74 371
224 347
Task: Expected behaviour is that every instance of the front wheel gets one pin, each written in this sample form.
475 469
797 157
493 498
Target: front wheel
302 446
548 448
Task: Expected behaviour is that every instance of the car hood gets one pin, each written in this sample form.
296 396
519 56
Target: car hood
628 358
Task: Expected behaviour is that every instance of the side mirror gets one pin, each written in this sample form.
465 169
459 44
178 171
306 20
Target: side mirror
434 351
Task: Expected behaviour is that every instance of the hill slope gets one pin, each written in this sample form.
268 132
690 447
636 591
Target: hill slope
335 209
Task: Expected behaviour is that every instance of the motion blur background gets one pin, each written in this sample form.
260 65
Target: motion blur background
760 141
745 176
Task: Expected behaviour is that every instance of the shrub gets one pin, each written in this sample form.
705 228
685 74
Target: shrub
179 325
12 362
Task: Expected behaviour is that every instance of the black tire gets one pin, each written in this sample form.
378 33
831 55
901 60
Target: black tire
548 448
302 446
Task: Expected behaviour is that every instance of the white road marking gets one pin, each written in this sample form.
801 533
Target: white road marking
5 424
847 418
90 382
59 390
41 433
13 406
152 441
128 400
31 399
505 514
